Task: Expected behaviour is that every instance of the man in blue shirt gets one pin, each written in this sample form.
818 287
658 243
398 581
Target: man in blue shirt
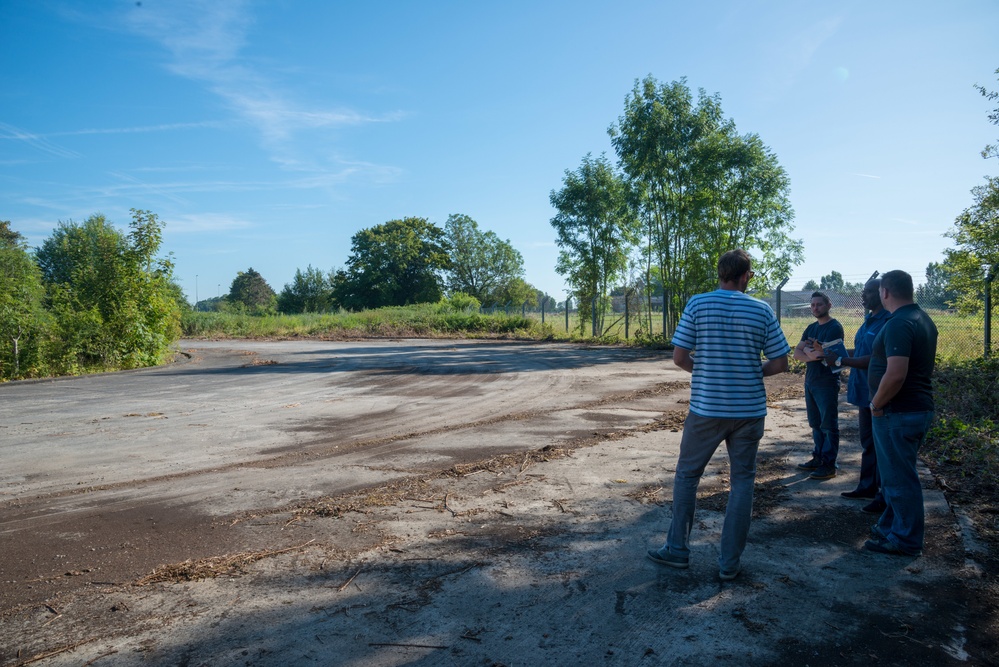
719 340
858 394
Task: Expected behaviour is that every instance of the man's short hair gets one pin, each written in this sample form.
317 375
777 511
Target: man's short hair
733 264
821 295
898 283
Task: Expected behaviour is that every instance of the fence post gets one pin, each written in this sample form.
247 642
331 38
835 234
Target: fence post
664 312
568 302
544 302
777 297
593 317
989 277
523 310
626 314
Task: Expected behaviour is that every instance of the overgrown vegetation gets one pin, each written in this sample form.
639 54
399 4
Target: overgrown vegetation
91 298
962 447
425 320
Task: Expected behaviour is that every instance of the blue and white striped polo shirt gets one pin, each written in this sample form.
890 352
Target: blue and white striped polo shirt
727 331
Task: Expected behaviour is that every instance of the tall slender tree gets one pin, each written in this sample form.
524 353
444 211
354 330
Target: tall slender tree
595 231
701 189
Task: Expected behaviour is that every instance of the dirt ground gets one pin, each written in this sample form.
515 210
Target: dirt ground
531 555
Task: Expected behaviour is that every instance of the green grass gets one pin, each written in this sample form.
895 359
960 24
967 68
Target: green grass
424 320
961 337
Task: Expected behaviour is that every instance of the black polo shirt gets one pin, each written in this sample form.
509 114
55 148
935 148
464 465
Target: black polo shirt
909 332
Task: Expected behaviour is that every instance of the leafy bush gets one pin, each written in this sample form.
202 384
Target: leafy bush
963 443
458 302
113 302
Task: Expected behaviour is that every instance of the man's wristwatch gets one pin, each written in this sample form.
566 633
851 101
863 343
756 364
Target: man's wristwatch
874 408
839 362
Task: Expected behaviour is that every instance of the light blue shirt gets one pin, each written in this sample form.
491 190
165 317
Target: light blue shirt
727 331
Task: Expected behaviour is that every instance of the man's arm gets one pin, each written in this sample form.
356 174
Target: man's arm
682 358
891 383
850 362
775 366
804 351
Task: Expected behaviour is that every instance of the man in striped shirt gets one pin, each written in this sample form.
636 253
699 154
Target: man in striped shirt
720 340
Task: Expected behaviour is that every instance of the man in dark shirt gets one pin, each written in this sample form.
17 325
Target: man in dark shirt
899 379
821 389
857 393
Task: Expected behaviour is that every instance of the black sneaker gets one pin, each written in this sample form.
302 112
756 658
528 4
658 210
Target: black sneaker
823 472
875 507
886 546
811 464
856 494
664 557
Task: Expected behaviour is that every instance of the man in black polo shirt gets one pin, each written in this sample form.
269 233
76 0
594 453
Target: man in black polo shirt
899 379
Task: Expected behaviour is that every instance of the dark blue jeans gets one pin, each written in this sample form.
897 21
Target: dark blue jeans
822 408
869 478
897 438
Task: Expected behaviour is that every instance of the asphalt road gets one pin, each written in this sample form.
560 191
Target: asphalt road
106 477
212 472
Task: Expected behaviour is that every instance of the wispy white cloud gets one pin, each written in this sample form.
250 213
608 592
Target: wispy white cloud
867 176
166 127
206 41
38 142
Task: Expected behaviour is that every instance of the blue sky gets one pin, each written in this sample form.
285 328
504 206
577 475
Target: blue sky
265 134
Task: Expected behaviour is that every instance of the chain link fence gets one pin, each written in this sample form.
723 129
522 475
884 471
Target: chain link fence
962 336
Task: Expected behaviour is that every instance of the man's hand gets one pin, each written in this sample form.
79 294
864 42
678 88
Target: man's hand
814 350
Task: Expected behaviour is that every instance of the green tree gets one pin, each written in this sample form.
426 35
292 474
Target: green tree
810 286
482 264
310 291
595 231
112 297
23 321
833 281
701 189
250 292
976 236
936 291
992 150
397 263
212 305
517 292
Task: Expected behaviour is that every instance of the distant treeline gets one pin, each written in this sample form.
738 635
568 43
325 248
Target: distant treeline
398 263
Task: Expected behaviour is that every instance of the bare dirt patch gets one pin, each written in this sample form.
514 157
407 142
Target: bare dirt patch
464 562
